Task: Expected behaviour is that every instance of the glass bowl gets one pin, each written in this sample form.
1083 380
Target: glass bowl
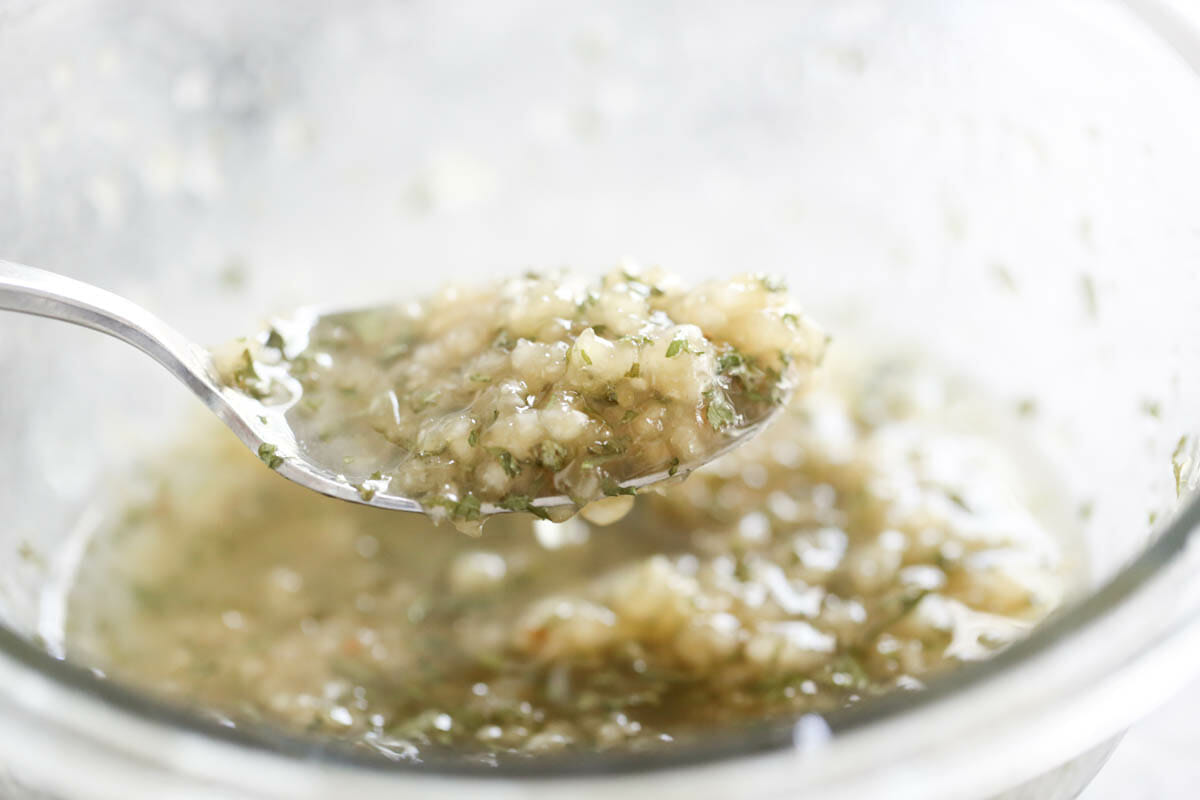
1008 186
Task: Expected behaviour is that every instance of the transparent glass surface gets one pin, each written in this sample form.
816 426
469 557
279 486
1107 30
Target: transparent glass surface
1009 186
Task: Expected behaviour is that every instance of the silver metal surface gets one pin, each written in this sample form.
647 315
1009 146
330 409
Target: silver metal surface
29 290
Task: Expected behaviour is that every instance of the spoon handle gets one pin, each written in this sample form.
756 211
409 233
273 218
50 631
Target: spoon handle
29 290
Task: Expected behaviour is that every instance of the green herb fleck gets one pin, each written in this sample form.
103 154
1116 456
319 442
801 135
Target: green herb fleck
269 456
628 416
614 489
720 413
245 375
467 508
552 455
674 467
1151 408
520 502
473 438
503 341
907 604
610 447
511 467
730 361
637 285
585 357
275 340
634 371
676 347
477 378
773 283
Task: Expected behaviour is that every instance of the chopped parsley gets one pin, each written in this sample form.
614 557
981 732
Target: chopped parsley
521 502
676 347
552 455
269 455
245 376
720 413
730 361
614 489
511 467
467 508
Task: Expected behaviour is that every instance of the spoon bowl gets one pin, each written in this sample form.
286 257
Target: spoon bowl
262 427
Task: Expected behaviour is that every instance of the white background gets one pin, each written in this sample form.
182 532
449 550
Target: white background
1158 758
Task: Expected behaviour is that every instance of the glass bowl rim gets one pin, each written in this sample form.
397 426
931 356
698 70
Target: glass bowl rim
729 743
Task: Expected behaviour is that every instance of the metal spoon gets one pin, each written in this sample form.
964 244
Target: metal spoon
261 427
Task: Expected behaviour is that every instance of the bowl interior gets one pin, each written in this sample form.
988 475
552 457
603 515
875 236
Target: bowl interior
1007 187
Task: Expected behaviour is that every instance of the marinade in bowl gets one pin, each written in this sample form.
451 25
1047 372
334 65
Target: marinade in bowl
881 531
1007 186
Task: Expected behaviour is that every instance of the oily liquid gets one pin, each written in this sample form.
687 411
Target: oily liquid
798 574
